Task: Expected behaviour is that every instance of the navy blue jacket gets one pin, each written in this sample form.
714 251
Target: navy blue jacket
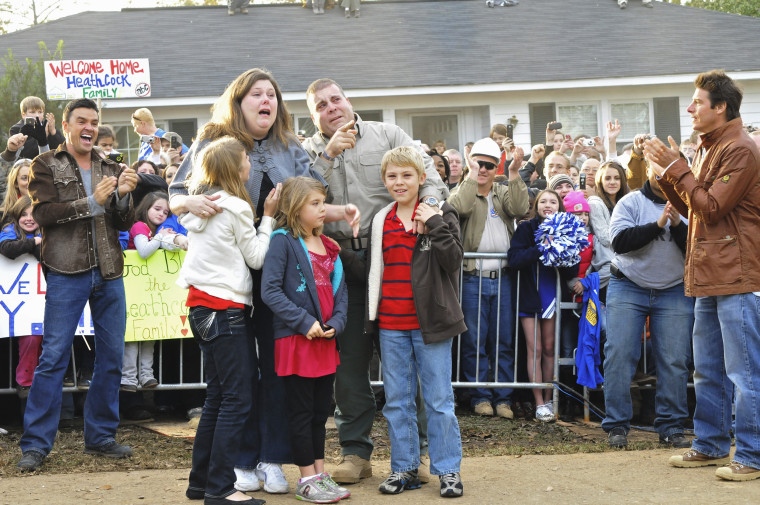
289 289
523 255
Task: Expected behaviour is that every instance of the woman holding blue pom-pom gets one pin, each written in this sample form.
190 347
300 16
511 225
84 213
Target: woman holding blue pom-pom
546 241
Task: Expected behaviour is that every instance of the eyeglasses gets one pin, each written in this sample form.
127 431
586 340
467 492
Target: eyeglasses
486 164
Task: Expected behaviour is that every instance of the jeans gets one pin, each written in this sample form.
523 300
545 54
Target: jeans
64 302
671 319
727 359
405 356
129 371
223 338
487 343
265 437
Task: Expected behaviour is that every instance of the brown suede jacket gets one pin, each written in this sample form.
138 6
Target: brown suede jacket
721 196
60 207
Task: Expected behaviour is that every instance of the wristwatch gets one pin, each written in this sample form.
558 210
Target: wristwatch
431 200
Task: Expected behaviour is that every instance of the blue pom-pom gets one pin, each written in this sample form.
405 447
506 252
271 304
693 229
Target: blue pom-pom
561 238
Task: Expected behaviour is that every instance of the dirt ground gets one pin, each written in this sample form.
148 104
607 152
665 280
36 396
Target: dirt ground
636 477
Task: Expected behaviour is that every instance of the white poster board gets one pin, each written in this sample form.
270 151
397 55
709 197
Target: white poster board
106 79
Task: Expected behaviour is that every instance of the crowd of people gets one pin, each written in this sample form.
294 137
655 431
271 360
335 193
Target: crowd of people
304 257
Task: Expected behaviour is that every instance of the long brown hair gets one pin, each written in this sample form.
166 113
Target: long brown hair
534 210
220 168
141 212
295 194
12 193
15 212
600 187
227 117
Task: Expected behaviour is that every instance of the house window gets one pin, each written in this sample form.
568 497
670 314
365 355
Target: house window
579 119
634 118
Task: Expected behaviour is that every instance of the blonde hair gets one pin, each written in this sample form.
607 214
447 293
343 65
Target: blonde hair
220 168
12 192
294 196
31 102
227 117
404 156
144 115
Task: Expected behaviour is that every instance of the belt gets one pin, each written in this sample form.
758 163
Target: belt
616 272
489 274
346 243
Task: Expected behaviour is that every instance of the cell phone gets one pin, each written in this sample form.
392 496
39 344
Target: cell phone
556 125
175 143
510 130
582 183
147 138
117 157
31 121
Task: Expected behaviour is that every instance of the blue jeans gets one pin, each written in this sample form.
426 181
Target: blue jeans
487 343
671 319
265 437
405 356
64 302
727 359
223 338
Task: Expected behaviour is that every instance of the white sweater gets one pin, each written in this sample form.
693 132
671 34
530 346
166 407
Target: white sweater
221 249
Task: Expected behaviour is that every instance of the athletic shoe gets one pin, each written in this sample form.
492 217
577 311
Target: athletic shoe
340 491
397 482
451 485
246 480
544 413
30 461
617 437
676 440
316 490
272 477
110 450
737 471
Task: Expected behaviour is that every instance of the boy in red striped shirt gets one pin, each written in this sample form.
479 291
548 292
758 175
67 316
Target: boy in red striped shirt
412 300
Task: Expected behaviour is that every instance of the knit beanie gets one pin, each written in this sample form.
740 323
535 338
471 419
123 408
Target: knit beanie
575 202
558 179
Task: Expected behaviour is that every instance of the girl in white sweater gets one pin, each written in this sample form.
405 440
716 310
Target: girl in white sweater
216 270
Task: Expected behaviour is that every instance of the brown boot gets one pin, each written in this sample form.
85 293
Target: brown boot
351 469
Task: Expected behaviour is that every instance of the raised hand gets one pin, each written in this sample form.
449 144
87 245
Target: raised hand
343 138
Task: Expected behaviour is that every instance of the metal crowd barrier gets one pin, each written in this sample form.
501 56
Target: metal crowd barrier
176 360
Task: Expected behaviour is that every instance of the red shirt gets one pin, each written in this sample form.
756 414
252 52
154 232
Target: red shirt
196 297
397 311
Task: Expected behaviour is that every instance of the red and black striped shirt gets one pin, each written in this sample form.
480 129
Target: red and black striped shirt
397 310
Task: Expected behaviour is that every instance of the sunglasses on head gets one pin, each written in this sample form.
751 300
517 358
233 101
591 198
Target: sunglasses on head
486 164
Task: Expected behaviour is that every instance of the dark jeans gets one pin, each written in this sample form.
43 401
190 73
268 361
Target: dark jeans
223 338
265 438
309 402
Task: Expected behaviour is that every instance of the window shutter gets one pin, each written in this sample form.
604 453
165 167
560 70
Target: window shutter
540 114
186 128
667 120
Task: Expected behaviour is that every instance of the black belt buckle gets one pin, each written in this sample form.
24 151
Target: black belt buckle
616 272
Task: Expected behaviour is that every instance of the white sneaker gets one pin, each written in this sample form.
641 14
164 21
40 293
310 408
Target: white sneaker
246 480
544 413
273 478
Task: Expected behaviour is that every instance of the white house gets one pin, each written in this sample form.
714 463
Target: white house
444 69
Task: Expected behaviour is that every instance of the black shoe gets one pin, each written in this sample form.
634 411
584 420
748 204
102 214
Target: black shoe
617 437
30 461
68 379
195 494
399 481
110 450
451 485
136 414
676 440
22 391
84 378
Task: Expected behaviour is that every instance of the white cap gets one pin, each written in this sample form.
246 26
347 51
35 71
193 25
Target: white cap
486 147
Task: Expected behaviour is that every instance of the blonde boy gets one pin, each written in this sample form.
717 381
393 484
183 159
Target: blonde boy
412 301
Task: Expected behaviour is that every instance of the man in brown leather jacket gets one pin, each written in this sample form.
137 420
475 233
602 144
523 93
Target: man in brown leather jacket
80 202
721 193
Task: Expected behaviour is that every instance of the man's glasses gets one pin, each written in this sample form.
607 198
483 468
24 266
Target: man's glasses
486 164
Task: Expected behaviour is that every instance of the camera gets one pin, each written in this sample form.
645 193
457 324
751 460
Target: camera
116 157
650 137
148 139
31 121
582 181
588 142
556 125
